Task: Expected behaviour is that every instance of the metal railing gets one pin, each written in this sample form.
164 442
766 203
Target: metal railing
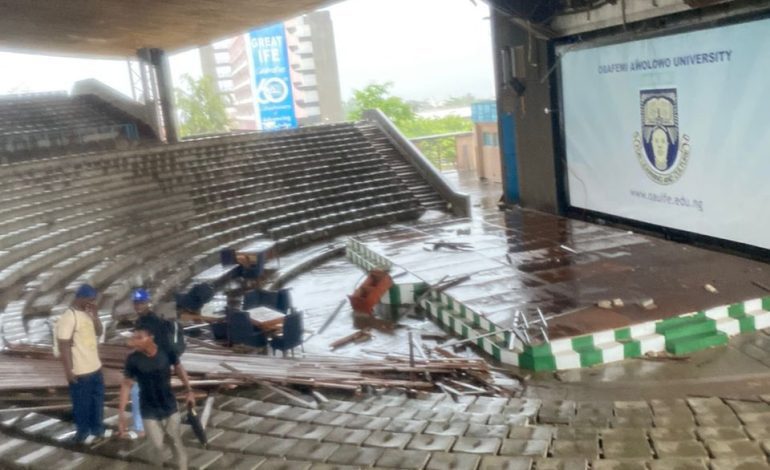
440 149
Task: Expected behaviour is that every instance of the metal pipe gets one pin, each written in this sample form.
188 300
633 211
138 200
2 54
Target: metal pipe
411 350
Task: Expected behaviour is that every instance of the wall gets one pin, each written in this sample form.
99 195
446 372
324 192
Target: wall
533 134
466 153
536 149
490 165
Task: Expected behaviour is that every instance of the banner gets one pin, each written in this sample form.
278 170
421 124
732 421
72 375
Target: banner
674 130
272 76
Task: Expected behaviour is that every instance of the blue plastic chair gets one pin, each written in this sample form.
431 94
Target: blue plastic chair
219 330
240 330
293 329
279 300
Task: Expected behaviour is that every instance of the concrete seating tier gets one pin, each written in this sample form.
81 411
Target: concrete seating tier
49 112
33 126
154 217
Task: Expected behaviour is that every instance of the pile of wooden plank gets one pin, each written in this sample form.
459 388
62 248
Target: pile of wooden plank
211 368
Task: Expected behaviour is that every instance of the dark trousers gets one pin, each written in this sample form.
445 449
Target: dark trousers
87 394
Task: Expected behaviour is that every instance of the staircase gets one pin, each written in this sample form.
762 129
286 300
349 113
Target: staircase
428 197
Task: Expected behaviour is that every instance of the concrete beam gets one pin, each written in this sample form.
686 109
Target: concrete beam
117 28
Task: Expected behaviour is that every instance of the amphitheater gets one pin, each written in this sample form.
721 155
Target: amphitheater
538 345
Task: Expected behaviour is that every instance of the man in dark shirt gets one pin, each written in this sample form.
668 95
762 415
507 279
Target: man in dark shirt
147 319
151 368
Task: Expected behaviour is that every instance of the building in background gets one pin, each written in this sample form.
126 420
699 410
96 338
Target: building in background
279 76
480 152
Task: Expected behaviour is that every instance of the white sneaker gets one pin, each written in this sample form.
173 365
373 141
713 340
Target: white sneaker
89 440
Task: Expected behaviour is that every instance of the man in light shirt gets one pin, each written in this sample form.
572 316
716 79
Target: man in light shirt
77 332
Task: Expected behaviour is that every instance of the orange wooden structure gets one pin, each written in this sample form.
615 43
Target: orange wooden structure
368 294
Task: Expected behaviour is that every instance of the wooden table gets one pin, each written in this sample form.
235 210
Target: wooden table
267 319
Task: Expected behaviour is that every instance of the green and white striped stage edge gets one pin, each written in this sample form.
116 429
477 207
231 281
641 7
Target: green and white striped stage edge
451 321
676 335
369 256
681 334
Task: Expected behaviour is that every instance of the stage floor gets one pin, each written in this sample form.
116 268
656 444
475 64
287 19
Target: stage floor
523 260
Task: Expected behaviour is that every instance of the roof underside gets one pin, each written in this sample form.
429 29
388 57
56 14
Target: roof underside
117 28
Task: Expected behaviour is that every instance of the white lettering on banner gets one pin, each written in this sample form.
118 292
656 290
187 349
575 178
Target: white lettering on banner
275 42
268 49
272 90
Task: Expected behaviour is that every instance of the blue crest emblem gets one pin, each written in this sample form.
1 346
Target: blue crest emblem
661 149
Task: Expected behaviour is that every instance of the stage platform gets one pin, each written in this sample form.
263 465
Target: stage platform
524 260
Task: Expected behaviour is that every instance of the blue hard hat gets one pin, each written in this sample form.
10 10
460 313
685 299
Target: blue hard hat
141 295
86 291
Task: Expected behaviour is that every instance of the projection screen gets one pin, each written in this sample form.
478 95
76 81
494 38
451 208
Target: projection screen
673 131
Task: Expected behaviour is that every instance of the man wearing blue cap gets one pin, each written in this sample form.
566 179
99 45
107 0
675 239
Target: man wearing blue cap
147 320
77 333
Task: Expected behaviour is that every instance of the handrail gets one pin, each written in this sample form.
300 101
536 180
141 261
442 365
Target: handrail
459 203
440 136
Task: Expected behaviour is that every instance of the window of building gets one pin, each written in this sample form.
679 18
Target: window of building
489 139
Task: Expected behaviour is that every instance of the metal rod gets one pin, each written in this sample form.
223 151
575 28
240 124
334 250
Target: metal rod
411 350
475 338
207 411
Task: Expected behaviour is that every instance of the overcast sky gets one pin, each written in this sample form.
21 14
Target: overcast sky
429 49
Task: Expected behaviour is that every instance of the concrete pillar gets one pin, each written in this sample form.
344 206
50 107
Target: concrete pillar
526 132
325 59
159 60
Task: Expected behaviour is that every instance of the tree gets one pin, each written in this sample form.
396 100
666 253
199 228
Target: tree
377 96
201 107
459 101
438 151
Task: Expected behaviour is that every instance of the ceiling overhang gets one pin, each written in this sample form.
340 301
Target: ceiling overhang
117 28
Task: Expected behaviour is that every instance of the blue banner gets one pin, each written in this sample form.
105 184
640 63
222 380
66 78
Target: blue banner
272 77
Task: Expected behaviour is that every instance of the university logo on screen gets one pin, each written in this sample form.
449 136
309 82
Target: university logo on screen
662 150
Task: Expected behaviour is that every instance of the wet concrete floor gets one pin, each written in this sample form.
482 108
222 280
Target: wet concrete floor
522 260
651 268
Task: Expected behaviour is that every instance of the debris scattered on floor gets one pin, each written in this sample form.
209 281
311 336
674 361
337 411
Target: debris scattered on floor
761 285
213 369
358 336
711 289
663 357
609 304
648 304
455 246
